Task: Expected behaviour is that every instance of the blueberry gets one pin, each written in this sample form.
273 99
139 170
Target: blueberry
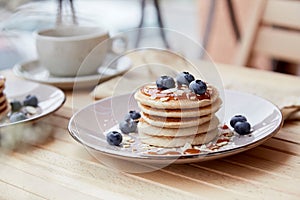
237 118
133 115
128 126
114 138
165 82
184 78
198 87
31 100
15 105
242 128
17 116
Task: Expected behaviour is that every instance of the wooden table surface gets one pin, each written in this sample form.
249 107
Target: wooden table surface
61 168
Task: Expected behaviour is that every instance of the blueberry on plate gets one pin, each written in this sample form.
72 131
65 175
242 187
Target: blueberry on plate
133 115
242 128
184 78
165 82
15 105
31 100
128 126
17 116
114 138
237 118
198 87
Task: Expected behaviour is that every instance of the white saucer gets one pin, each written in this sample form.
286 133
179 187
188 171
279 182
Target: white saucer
34 71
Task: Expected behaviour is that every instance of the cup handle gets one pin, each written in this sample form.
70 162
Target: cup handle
120 48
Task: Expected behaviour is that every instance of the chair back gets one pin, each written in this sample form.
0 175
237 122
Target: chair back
273 31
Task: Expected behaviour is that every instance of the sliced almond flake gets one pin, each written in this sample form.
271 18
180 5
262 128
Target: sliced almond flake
131 140
227 133
214 147
31 110
171 90
165 92
126 145
220 144
126 142
192 98
164 99
184 87
152 86
126 137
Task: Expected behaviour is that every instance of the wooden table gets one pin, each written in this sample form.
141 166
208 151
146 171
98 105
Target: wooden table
63 169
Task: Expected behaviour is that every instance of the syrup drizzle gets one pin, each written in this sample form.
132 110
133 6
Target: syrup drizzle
179 93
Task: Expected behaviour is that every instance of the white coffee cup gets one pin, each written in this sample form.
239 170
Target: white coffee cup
62 50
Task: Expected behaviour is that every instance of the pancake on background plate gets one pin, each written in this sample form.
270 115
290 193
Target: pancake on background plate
4 105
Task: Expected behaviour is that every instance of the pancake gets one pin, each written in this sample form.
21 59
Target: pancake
148 129
3 105
2 81
188 112
175 122
2 98
178 141
183 100
4 111
2 89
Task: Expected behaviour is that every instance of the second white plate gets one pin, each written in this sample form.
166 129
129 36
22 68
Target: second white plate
50 98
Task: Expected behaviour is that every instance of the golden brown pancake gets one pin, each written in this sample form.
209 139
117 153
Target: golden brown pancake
175 99
148 129
4 105
2 98
4 111
180 113
170 122
160 141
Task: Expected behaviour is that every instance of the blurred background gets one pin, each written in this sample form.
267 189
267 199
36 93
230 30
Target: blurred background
20 18
218 25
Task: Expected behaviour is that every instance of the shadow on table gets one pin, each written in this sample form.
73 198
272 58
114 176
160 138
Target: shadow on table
20 137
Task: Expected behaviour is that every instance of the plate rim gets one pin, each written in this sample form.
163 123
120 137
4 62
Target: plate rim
179 159
43 114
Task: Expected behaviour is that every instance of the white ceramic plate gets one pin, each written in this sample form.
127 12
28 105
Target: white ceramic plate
34 71
89 125
50 98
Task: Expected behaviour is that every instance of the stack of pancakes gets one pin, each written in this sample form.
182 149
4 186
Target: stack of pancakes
177 116
4 105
